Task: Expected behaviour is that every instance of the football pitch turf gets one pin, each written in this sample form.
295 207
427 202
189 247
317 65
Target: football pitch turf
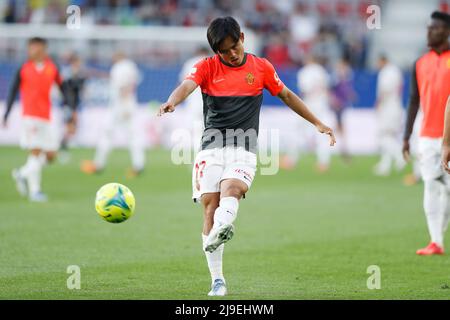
299 235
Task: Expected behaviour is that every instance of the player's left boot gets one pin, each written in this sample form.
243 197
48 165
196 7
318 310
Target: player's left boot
133 173
219 235
21 182
218 288
432 248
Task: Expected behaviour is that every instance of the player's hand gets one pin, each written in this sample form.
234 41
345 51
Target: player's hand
165 107
405 150
446 158
324 129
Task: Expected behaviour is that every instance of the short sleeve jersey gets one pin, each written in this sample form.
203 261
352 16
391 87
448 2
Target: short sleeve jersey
232 98
433 83
35 86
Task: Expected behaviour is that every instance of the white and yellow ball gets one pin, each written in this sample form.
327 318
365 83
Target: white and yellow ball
115 203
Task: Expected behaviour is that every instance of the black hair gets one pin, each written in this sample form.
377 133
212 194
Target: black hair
383 56
37 40
443 16
221 28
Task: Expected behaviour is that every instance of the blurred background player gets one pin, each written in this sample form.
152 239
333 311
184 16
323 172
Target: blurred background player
431 93
34 79
194 102
124 79
389 112
313 82
74 80
342 97
414 176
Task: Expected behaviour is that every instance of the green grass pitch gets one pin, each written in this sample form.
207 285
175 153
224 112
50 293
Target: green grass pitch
299 235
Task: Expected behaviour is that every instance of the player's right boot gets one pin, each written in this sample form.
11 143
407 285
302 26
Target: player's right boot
21 182
38 197
219 235
218 288
432 248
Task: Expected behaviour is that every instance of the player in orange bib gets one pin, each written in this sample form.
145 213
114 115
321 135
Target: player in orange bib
34 80
232 83
430 88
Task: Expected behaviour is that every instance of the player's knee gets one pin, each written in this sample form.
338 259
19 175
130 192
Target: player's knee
51 156
35 152
234 190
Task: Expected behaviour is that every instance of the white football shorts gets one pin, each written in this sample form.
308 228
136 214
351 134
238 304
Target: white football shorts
430 159
211 166
38 133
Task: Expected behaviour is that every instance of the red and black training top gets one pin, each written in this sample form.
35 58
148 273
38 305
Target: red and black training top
232 98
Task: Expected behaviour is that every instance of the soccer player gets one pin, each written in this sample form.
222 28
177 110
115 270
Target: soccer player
194 102
389 113
34 79
430 88
232 82
342 97
124 79
74 80
313 81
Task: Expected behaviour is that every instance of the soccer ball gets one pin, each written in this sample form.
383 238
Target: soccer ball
114 202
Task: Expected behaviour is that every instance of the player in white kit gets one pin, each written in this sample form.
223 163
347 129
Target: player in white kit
313 82
124 79
194 102
389 114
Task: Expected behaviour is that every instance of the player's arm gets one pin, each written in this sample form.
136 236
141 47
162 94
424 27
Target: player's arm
177 96
14 89
413 108
298 106
446 140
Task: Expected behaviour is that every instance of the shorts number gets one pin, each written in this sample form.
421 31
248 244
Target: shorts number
199 167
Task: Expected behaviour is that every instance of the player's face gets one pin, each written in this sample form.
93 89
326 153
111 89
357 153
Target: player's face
232 52
36 50
437 33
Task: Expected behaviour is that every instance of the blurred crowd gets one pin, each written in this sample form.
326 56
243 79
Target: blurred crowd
289 29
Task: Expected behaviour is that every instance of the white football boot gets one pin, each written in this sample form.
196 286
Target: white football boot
218 289
219 235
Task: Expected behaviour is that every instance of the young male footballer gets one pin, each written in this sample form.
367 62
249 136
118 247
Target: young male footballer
232 83
430 88
34 81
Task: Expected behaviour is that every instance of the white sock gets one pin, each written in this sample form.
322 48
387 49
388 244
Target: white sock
226 213
103 149
25 169
137 156
434 210
31 171
214 260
